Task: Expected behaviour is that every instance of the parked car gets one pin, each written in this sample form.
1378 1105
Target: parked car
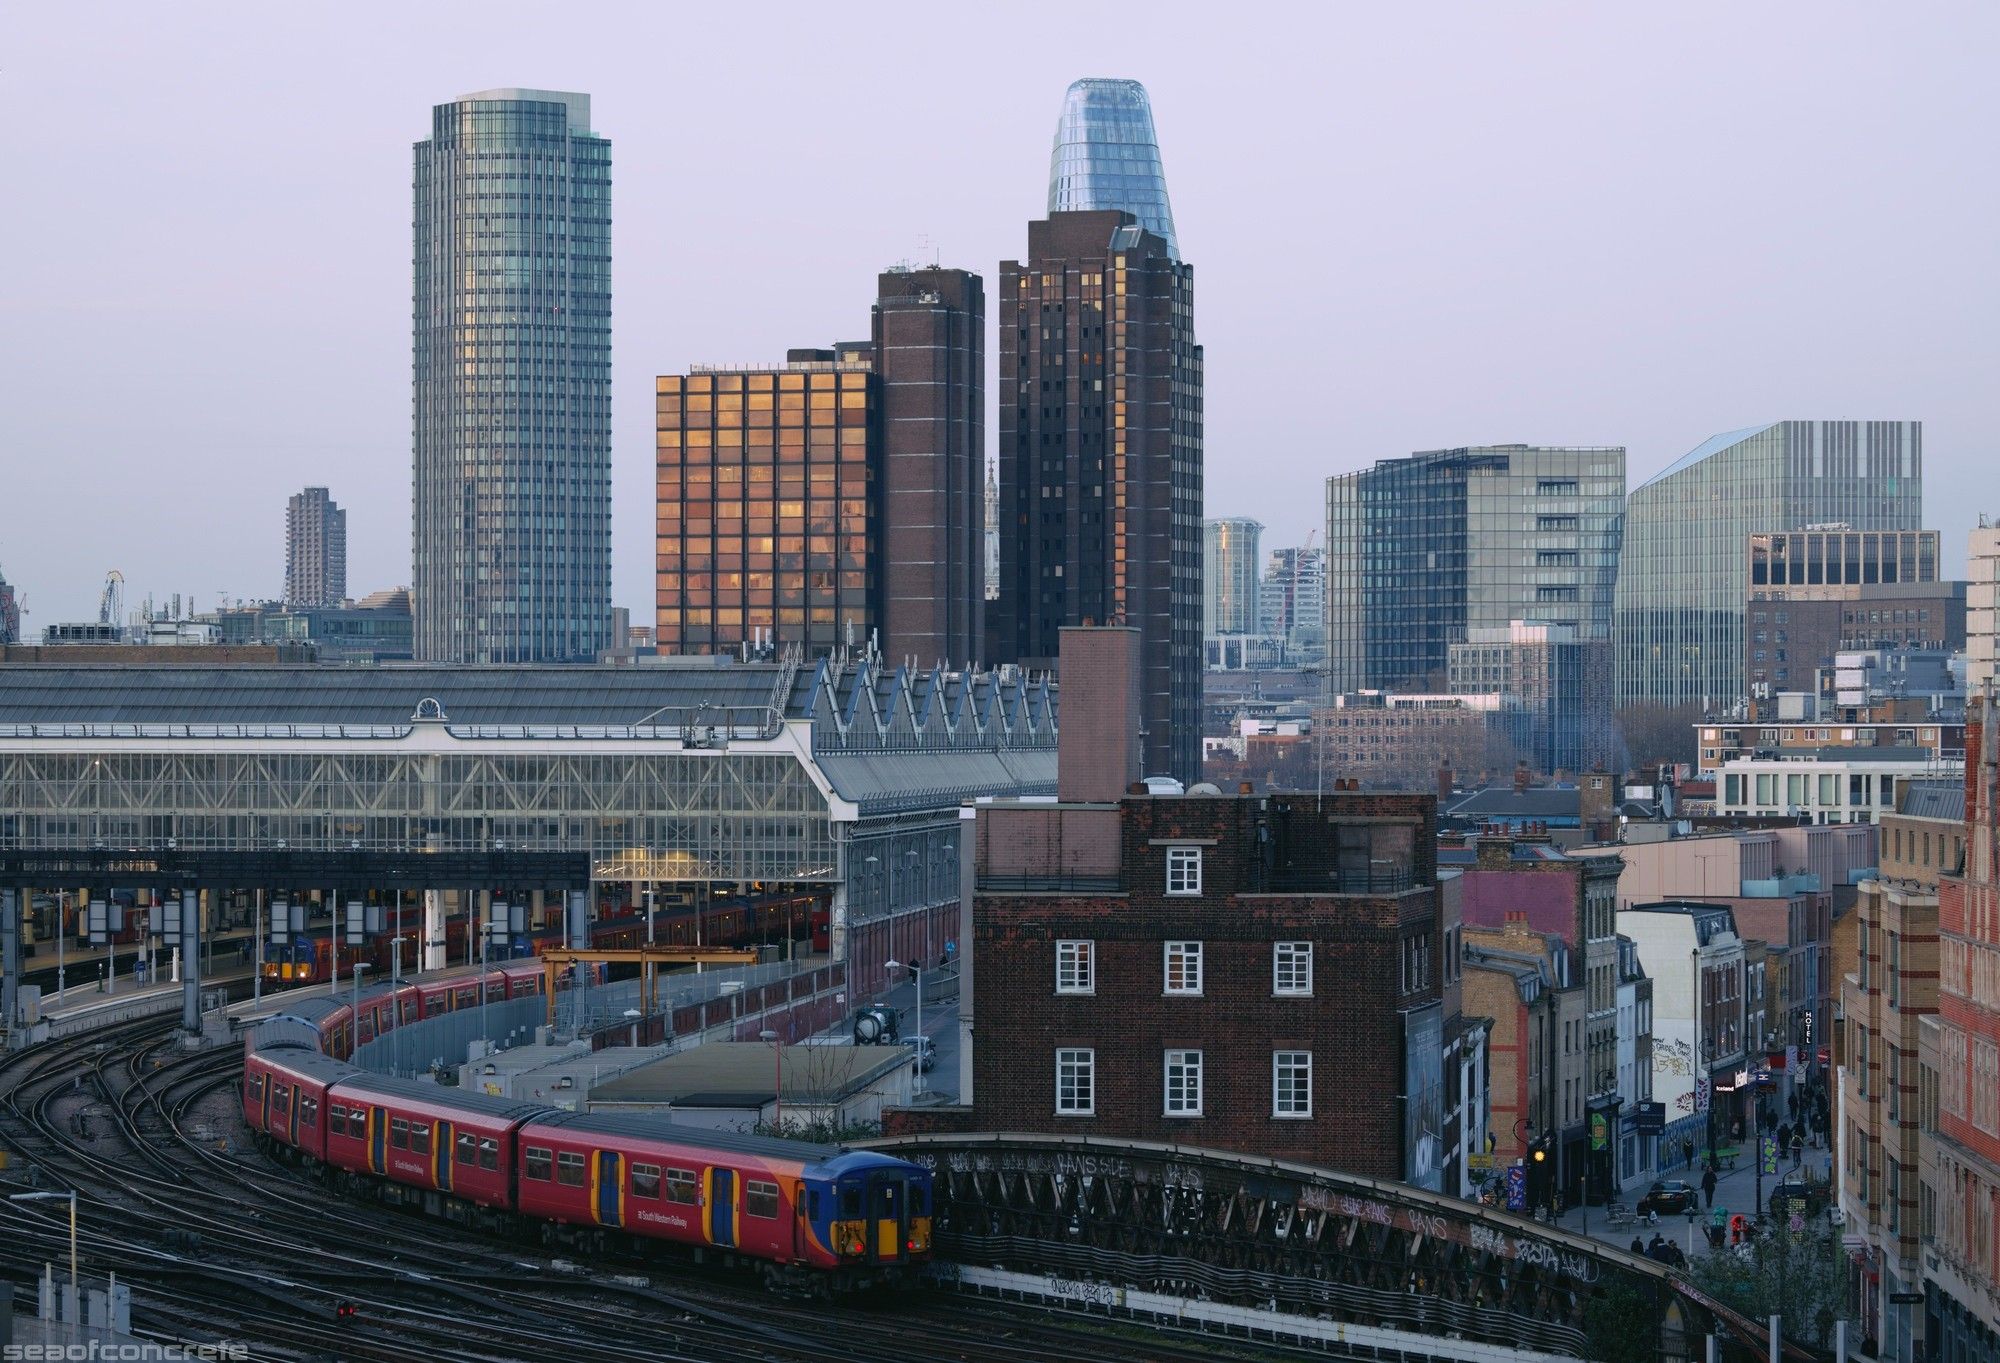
1795 1194
926 1050
1670 1197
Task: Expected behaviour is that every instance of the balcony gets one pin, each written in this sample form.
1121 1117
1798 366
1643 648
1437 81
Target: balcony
1781 887
1380 878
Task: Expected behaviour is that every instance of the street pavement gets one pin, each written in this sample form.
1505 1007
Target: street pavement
1736 1191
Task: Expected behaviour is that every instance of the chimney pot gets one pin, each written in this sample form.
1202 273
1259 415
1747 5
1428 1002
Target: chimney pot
1244 788
1136 788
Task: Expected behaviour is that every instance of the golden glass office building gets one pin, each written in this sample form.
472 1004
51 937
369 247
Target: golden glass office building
767 513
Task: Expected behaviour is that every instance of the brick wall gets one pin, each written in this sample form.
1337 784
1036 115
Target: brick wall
1352 1023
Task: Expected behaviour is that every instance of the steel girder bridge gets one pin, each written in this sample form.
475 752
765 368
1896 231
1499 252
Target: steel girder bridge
1290 1253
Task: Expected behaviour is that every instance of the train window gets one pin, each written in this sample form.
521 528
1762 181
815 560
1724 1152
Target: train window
645 1180
916 1200
850 1200
407 1007
569 1168
336 1119
399 1133
281 1100
309 1111
255 1088
367 1026
467 1151
885 1201
812 1204
761 1199
489 1152
683 1186
538 1162
420 1138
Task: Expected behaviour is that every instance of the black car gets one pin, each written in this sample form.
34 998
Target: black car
1669 1198
1795 1195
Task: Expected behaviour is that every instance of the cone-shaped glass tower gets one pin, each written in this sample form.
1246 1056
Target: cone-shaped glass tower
1107 156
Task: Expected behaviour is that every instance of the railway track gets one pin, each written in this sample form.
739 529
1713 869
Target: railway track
250 1248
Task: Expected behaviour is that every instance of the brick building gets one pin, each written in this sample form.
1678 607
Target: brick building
1893 987
1506 878
1273 975
1959 1055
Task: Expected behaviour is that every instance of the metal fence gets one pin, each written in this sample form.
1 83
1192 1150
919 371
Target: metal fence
415 1047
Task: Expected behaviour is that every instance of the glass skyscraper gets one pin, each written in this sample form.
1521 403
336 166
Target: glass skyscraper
1683 571
1229 577
1108 156
1425 551
511 323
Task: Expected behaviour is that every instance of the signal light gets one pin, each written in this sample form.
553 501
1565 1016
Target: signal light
1540 1154
347 1310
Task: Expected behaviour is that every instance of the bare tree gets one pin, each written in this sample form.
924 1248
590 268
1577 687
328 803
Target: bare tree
1654 734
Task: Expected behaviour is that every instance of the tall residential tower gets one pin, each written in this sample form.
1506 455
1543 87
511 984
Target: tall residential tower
1101 462
512 368
315 550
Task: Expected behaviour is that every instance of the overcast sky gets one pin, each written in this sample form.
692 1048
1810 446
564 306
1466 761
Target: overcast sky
1412 226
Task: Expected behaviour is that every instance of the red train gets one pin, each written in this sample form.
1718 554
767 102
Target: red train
737 921
810 1216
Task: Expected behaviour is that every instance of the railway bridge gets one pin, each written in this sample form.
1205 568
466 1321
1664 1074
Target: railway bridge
1265 1249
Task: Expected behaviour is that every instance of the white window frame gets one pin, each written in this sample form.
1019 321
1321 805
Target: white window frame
1186 953
1076 966
1291 954
1083 1061
1282 1063
1183 870
1186 1068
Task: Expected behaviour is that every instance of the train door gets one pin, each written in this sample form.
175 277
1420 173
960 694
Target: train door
378 1139
441 1156
270 1081
610 1189
889 1210
721 1207
292 1121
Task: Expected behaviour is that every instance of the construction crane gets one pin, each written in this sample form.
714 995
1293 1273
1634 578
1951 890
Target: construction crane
111 605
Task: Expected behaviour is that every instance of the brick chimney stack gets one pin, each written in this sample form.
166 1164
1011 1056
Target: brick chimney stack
1097 741
1521 776
1444 784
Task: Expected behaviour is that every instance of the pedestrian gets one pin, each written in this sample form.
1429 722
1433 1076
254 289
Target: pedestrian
1784 1134
1638 1245
1656 1247
1708 1186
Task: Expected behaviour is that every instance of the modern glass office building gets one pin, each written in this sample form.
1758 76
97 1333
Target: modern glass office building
1107 155
511 323
1683 573
1229 577
1424 550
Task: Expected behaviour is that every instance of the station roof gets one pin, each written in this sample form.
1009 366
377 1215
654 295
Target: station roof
380 695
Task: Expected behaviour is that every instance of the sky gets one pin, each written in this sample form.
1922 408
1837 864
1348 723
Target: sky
1412 226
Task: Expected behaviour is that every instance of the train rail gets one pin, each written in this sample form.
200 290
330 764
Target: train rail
263 1255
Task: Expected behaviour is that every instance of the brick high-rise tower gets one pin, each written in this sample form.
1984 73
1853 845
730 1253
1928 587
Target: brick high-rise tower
1100 461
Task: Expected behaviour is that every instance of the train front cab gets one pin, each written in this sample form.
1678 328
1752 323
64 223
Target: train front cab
881 1213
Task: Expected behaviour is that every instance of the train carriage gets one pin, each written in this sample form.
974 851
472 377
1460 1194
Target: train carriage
803 1208
285 1095
426 1137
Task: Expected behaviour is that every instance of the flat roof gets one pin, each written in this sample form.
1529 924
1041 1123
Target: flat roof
742 1074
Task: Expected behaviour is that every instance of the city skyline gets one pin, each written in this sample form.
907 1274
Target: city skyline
1647 337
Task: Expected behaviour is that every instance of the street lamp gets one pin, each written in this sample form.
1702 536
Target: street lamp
50 1197
916 976
778 1088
